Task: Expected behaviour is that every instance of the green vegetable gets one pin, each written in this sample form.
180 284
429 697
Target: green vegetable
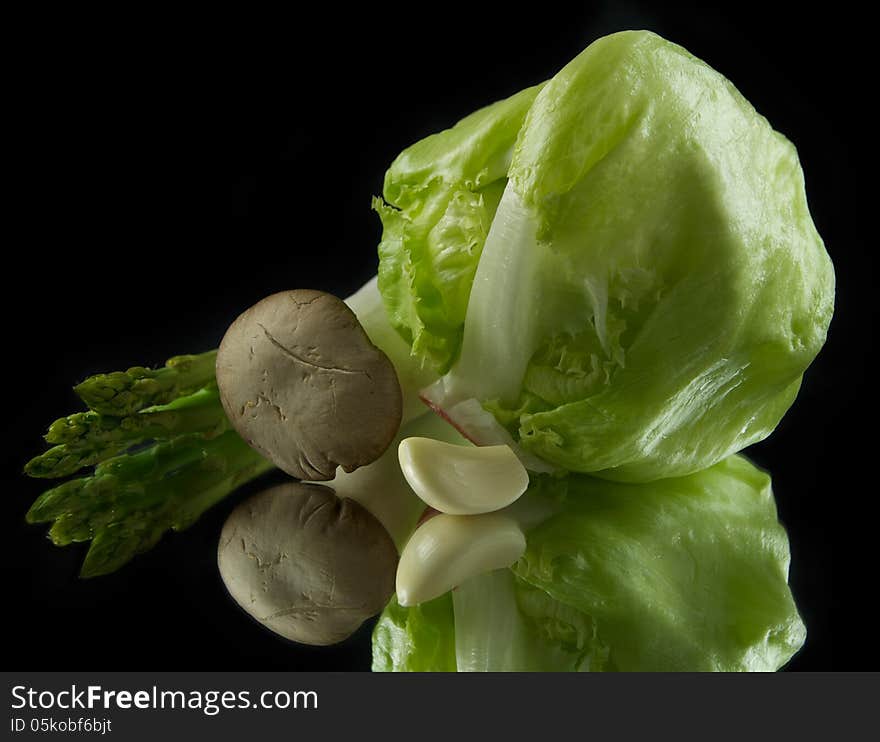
158 466
131 500
87 438
639 287
416 639
440 198
682 574
686 574
504 625
125 392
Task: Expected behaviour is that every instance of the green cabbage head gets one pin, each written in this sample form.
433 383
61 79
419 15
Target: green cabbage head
617 269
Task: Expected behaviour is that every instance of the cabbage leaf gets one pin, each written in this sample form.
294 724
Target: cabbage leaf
440 197
683 574
419 638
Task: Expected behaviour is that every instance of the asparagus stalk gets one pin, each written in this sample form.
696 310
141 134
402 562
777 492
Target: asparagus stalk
87 438
122 393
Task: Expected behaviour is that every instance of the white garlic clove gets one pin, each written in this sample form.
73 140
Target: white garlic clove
462 480
446 550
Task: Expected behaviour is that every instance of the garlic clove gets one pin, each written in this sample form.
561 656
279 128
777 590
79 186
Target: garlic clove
462 480
446 550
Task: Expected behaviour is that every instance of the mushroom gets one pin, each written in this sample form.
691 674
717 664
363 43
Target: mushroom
310 566
303 384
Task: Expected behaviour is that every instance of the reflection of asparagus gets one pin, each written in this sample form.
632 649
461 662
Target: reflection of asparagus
125 392
88 438
131 500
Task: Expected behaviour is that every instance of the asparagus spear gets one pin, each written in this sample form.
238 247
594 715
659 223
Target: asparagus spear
131 500
87 438
123 393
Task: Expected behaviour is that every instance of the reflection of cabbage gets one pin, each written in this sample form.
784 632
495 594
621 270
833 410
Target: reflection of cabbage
685 573
620 265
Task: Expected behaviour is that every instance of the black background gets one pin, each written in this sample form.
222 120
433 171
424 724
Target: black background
176 170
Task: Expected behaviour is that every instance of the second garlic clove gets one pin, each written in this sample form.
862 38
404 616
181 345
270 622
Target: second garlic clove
446 550
462 480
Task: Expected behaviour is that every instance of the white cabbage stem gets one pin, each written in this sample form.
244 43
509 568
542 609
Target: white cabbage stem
413 375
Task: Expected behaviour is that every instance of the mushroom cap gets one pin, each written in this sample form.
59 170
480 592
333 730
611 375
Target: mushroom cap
306 564
301 382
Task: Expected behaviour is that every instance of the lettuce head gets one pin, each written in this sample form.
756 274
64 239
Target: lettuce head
618 267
